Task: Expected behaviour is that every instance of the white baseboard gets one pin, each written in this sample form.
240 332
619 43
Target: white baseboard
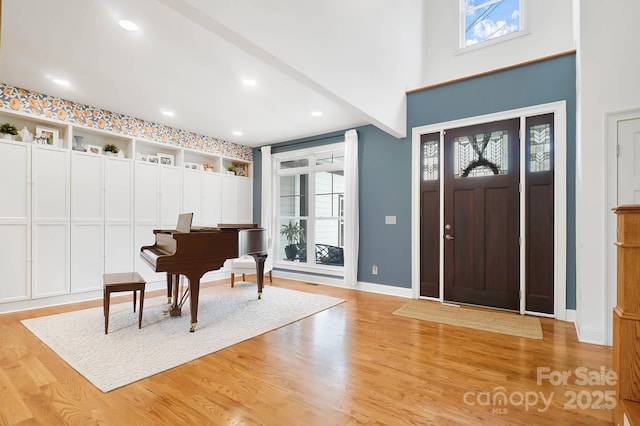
310 278
389 290
590 335
339 282
570 315
27 304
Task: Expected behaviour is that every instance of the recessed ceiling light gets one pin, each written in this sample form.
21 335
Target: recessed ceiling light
237 133
128 25
168 113
316 114
60 81
249 82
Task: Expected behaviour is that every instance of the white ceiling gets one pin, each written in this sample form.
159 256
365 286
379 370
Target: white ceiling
190 57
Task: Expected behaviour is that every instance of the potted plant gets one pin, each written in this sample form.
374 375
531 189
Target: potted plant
8 131
232 170
293 233
111 149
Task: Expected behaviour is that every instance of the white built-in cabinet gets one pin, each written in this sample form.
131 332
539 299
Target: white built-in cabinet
211 196
50 249
202 196
15 221
67 216
237 200
147 193
101 216
170 195
119 251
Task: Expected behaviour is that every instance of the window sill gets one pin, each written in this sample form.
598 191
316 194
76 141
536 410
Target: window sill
492 42
310 268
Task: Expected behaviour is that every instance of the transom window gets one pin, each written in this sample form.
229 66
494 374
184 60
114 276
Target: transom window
310 207
485 20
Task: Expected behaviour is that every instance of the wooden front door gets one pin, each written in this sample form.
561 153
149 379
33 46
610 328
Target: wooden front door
482 214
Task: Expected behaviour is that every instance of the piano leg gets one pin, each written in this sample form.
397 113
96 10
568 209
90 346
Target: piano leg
169 288
259 258
194 294
176 309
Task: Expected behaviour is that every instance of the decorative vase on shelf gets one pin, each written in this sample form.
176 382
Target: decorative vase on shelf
25 135
77 144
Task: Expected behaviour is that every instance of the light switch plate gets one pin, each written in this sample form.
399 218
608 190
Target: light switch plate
390 220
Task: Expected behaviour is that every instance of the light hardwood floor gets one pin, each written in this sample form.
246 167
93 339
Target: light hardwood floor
355 363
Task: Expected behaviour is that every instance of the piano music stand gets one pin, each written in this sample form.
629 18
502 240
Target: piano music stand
184 222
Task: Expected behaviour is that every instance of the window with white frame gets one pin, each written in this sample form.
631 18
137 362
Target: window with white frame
487 20
310 207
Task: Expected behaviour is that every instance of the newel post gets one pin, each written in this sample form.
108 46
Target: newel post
626 314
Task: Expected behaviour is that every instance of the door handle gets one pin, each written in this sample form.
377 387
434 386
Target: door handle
449 237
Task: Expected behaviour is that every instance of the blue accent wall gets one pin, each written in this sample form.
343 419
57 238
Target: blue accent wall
385 161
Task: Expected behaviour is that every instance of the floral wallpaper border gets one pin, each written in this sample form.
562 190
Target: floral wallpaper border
22 100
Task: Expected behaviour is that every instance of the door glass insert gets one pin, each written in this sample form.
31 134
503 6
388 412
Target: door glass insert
430 158
484 154
540 147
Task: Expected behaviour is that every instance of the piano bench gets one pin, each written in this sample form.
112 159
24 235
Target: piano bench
123 281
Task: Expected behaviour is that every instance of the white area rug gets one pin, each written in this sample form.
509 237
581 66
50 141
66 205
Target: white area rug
226 316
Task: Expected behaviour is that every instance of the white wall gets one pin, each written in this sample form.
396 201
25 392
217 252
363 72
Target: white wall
359 53
608 64
549 31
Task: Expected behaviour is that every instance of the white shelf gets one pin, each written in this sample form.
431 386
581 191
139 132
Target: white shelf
99 138
131 147
32 122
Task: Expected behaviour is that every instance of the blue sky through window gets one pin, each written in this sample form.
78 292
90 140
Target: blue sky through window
488 19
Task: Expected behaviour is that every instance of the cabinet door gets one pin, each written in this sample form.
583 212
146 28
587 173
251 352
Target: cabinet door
87 245
211 198
86 187
192 195
229 199
16 168
170 194
144 236
118 184
245 201
50 248
118 247
16 269
50 168
146 192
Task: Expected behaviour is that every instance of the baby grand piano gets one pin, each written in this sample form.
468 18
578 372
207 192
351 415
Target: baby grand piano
194 251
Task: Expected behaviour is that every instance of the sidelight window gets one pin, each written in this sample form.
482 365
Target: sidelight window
539 142
430 158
